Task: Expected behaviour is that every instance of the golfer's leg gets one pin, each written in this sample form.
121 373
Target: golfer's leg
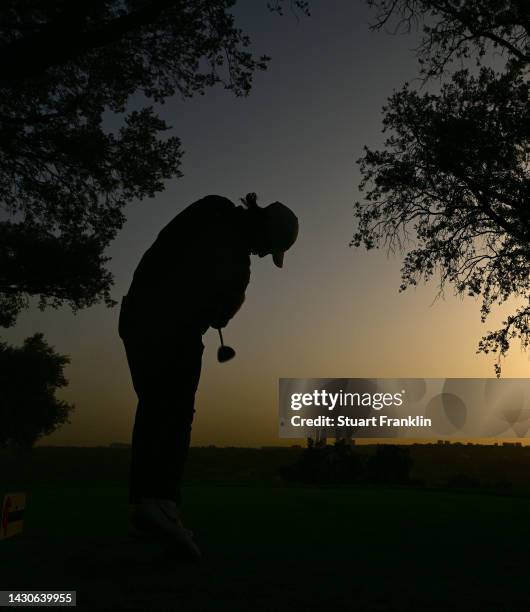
165 379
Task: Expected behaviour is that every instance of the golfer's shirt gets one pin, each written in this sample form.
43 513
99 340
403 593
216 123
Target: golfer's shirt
194 275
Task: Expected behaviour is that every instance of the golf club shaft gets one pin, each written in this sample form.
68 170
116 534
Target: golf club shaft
220 335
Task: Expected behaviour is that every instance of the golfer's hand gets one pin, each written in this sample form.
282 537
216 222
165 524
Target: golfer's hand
228 307
217 324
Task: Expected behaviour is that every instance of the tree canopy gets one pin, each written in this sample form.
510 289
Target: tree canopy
65 176
451 187
30 375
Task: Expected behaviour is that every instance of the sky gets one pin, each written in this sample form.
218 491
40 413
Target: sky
333 310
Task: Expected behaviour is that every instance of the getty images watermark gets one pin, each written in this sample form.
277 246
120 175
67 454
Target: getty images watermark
404 408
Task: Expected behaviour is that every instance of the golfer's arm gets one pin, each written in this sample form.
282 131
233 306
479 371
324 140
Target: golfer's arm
225 307
230 282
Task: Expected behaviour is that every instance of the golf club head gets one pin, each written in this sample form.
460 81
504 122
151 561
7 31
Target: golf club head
225 353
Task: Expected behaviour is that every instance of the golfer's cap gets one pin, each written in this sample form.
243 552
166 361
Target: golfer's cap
283 229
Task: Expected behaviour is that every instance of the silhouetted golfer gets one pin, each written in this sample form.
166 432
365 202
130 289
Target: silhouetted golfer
193 277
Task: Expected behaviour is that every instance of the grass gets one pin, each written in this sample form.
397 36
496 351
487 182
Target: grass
273 548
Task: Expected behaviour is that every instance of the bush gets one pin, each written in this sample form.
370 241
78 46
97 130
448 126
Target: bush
390 464
320 463
342 464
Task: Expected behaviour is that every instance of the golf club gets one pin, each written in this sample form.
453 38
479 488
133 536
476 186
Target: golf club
224 353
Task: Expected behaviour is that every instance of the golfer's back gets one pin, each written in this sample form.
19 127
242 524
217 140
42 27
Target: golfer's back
179 276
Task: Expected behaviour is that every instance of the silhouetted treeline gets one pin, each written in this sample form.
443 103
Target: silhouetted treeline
499 468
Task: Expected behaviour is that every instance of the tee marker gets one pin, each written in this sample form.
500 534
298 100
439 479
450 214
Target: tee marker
12 518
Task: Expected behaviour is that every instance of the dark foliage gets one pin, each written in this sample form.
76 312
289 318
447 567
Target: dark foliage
342 464
65 175
30 375
389 465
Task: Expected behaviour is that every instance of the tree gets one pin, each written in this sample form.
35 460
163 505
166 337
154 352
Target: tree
65 175
29 378
451 188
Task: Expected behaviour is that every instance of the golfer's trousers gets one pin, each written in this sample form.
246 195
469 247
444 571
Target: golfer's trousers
165 375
